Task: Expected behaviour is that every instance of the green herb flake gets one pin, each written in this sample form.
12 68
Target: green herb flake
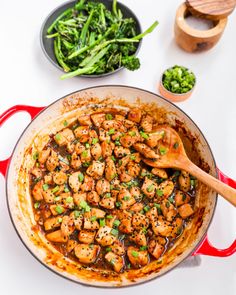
35 156
59 220
113 261
116 222
113 158
143 248
77 214
55 189
159 193
158 206
84 154
132 157
83 204
56 199
162 151
146 208
86 164
93 218
117 142
107 195
144 135
66 188
80 177
118 204
69 200
109 117
109 216
59 209
114 232
45 186
94 140
36 205
87 145
167 204
87 208
193 183
126 198
134 254
108 249
102 222
111 131
58 137
132 133
150 188
65 123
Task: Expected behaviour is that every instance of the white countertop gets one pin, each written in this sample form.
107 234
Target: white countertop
27 77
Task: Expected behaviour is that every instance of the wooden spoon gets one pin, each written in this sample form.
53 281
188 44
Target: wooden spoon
173 155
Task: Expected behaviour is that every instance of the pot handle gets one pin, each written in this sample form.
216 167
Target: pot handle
33 111
206 247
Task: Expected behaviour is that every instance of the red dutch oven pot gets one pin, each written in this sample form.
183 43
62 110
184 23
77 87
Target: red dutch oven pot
22 216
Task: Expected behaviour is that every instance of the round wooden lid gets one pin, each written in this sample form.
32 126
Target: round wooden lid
211 9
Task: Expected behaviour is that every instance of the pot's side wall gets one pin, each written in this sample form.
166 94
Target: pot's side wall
50 121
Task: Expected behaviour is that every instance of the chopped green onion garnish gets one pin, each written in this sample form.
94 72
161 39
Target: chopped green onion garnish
69 200
111 131
93 218
94 140
118 204
116 222
158 206
58 137
132 157
112 261
132 133
66 189
159 193
108 249
65 123
36 205
146 208
83 204
84 154
109 216
55 189
56 199
87 145
35 156
150 188
143 248
59 220
144 135
77 214
113 158
114 232
134 253
102 222
126 198
107 195
59 209
162 151
81 177
45 186
109 117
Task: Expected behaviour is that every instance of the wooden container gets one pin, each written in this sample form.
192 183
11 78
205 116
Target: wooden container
193 40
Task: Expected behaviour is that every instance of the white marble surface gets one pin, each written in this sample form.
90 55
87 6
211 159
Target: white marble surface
26 77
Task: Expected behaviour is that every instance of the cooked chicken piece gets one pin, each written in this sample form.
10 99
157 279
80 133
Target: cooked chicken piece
127 140
64 136
136 257
86 236
135 192
57 237
67 226
135 115
93 137
185 211
177 227
102 186
37 172
78 219
59 177
136 157
140 221
128 124
48 178
145 150
79 148
123 162
133 169
71 244
126 226
96 169
166 188
181 198
79 197
168 210
98 213
104 236
160 172
37 191
146 123
85 120
82 133
149 187
96 151
52 223
110 170
90 224
139 238
57 209
155 249
75 161
117 135
98 119
70 147
107 148
86 253
108 203
152 214
104 135
162 227
115 260
118 248
120 151
124 176
153 139
126 199
184 181
137 207
63 166
43 156
74 182
113 124
52 161
48 196
88 184
93 198
85 156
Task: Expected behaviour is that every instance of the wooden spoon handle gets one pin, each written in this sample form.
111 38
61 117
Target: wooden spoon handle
224 190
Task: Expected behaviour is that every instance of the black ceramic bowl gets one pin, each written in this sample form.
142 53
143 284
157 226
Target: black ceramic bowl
47 44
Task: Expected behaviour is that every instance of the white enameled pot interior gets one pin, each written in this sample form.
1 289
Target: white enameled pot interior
47 122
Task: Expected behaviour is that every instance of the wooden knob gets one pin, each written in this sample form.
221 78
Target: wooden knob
191 39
